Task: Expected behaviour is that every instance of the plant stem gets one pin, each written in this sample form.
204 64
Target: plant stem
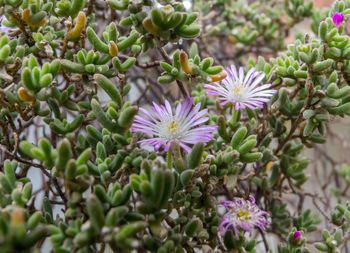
169 159
236 114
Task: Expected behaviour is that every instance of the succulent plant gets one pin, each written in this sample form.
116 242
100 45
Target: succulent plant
87 166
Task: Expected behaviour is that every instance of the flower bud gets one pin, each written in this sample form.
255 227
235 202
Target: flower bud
297 237
338 19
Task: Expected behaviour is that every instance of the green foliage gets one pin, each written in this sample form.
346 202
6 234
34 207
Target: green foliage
73 77
192 70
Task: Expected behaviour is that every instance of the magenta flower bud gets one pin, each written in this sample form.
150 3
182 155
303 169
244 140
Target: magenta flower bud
338 19
297 237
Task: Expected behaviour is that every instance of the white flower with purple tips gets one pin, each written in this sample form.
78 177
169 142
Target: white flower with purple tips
165 126
241 90
242 214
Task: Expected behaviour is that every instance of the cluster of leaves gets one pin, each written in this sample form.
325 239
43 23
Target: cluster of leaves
61 59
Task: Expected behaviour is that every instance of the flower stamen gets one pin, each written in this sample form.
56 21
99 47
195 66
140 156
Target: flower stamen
172 127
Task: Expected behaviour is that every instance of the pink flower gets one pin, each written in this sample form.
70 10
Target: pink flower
338 19
297 237
243 214
182 125
241 90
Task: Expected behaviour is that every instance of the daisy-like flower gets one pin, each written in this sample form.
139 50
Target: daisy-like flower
241 90
242 214
338 18
165 126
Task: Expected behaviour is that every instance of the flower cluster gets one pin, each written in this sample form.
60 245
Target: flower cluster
243 214
183 125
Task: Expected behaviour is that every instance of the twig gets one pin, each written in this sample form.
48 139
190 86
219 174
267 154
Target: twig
267 248
4 149
21 26
58 188
300 117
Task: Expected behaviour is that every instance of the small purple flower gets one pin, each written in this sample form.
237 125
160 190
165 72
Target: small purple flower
297 237
338 18
243 91
182 125
2 27
242 214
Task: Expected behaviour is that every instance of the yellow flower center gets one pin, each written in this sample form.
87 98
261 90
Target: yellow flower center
238 93
172 127
237 89
243 214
